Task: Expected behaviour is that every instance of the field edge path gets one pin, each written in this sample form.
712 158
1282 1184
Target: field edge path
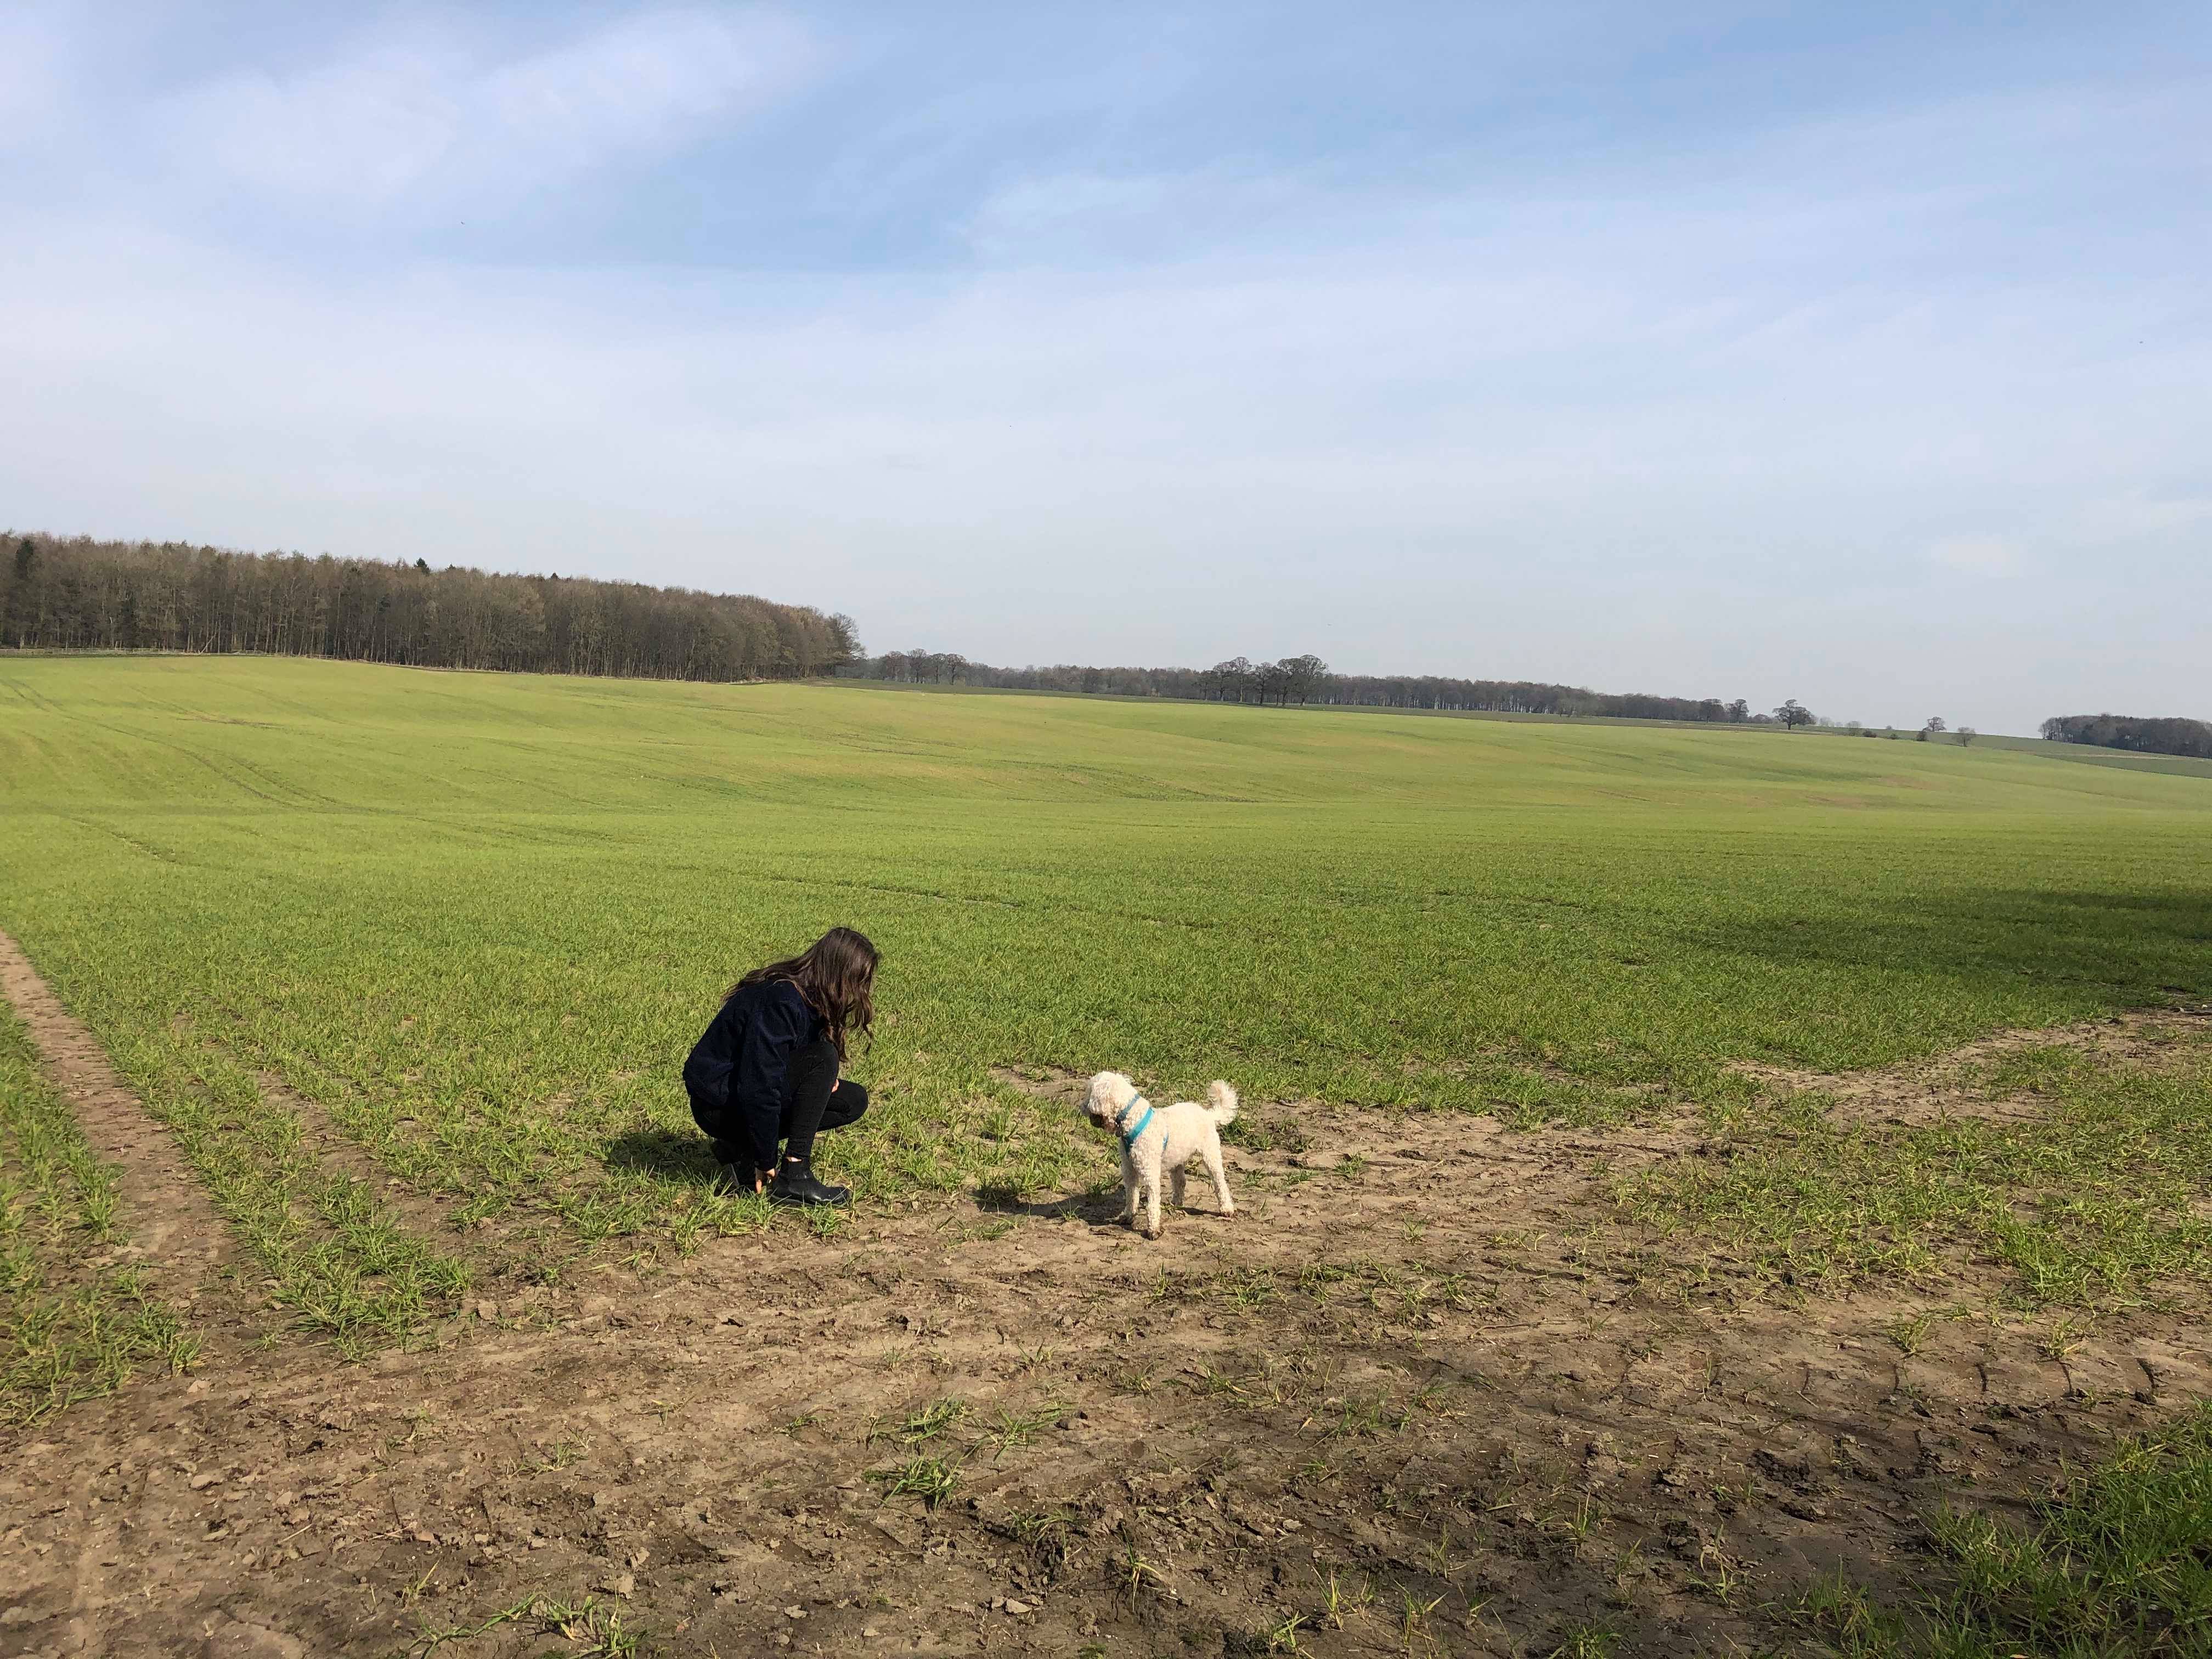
169 1215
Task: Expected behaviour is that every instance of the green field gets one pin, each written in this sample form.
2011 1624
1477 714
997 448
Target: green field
2078 753
479 919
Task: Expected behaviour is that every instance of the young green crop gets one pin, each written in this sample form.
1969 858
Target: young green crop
77 1325
478 921
2116 1562
2090 1200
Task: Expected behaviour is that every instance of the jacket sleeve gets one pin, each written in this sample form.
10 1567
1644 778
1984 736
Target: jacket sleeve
778 1027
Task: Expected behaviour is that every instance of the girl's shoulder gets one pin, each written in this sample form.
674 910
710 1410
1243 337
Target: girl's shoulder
793 1002
775 993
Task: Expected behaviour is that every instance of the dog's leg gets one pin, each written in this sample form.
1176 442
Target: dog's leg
1213 1167
1129 1187
1177 1179
1153 1201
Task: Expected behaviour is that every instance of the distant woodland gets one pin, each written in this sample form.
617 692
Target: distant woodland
84 595
77 594
2144 735
1305 679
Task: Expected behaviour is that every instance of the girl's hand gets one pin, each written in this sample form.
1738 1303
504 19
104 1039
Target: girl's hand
761 1178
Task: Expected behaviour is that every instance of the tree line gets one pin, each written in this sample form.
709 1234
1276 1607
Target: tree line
78 594
2145 735
1303 679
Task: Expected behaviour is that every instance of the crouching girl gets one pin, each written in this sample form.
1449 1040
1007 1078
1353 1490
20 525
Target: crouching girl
765 1075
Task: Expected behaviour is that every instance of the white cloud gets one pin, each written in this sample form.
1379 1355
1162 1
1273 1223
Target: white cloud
1977 556
423 120
2140 513
1654 422
645 84
364 131
1371 454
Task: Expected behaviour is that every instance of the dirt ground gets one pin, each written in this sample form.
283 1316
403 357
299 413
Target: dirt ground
1402 1403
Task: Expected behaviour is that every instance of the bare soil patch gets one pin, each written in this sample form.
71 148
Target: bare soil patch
1044 1082
1400 1403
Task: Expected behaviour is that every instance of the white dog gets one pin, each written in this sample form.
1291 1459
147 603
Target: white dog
1161 1139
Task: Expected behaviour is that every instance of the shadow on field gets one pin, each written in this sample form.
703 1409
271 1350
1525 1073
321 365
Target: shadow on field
2134 948
1100 1210
663 1152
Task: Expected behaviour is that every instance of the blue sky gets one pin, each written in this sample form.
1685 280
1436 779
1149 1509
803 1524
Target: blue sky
1857 353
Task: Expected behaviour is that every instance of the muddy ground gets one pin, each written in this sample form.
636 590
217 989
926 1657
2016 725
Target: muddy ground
1411 1399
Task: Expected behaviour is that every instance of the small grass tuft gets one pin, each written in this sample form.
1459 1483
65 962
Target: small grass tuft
930 1479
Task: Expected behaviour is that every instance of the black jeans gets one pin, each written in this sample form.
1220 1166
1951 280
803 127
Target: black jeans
815 1098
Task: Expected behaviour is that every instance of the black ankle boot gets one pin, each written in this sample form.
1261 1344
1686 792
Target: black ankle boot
794 1183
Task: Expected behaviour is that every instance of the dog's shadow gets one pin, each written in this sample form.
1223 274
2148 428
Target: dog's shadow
1098 1209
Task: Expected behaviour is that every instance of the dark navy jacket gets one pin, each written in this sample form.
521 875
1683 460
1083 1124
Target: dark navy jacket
737 1069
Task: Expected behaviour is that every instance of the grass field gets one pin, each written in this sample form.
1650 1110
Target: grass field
478 919
2080 754
1797 1058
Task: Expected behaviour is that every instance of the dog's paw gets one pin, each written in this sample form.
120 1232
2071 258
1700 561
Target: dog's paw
1228 1212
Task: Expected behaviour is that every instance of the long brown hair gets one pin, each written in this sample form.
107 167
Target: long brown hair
836 975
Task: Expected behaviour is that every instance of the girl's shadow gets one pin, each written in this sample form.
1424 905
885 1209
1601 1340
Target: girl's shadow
675 1156
663 1152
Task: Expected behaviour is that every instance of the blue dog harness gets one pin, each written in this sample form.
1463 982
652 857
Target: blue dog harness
1129 1136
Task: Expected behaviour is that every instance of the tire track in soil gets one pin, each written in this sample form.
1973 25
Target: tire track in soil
175 1234
429 1216
176 1239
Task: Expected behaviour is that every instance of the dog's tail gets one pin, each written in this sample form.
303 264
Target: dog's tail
1221 1102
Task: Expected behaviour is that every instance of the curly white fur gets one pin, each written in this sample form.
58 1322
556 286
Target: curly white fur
1175 1135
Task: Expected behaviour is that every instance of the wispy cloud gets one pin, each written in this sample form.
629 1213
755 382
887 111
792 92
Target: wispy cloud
1126 337
430 120
1977 555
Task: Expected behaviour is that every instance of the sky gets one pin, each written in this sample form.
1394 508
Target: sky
1861 354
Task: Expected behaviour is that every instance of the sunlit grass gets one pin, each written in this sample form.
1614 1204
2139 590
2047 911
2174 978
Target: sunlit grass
478 921
2091 1199
2116 1562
